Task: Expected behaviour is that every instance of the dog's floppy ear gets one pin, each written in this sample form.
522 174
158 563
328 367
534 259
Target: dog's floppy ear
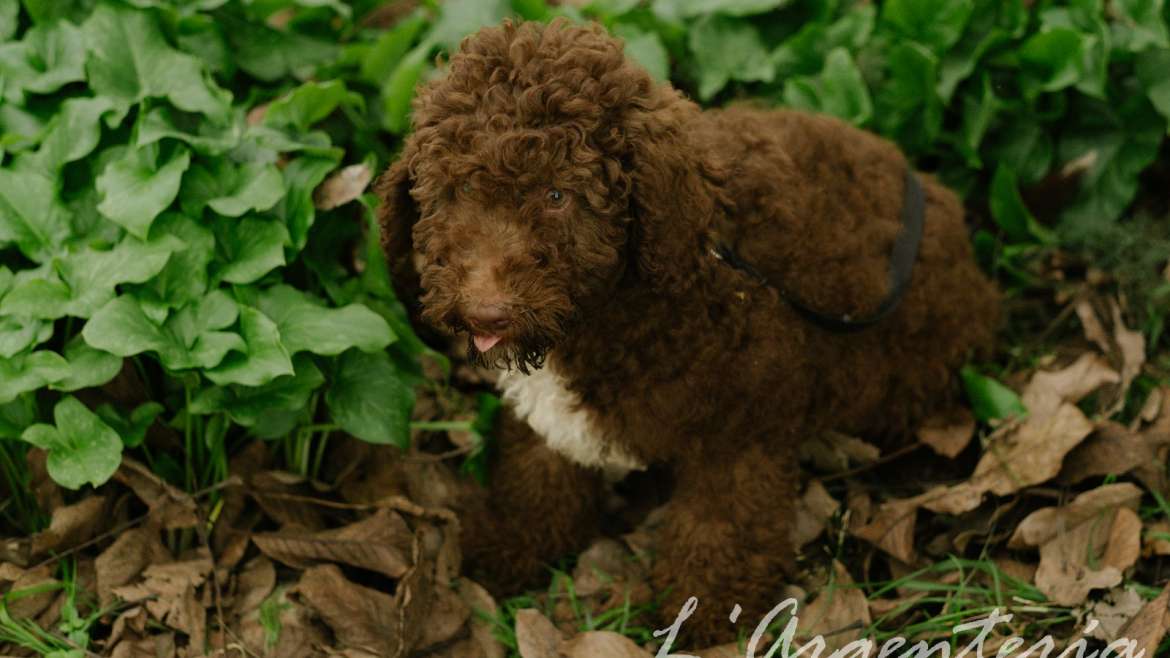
397 215
674 195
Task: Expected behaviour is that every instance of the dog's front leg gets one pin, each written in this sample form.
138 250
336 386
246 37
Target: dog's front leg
725 540
539 507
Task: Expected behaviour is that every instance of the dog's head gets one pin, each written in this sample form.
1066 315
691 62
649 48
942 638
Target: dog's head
544 168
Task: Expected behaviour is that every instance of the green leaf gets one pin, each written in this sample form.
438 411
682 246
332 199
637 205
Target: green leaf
82 449
258 187
188 338
257 406
1025 143
937 24
311 102
88 367
460 18
390 47
30 371
80 282
264 358
20 333
1151 67
9 9
48 58
301 178
31 216
1009 211
137 187
250 248
727 49
368 399
1052 60
270 54
398 91
991 400
839 90
130 60
908 107
979 108
184 278
804 53
646 49
675 9
1140 24
307 326
202 135
132 430
74 132
16 415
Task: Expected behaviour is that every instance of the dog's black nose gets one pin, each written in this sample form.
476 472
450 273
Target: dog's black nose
489 318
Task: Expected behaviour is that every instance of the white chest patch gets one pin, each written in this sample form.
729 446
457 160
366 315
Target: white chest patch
555 413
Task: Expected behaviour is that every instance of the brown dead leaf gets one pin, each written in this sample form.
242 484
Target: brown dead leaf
601 643
169 594
29 605
1046 523
892 529
255 583
812 514
299 636
833 452
1049 389
948 434
1032 454
1112 612
1091 555
70 526
1157 539
536 636
379 543
170 508
722 651
155 645
282 497
483 608
360 617
1112 450
836 609
448 615
1149 625
343 186
125 559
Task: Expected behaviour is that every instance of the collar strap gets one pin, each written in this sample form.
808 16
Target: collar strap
902 258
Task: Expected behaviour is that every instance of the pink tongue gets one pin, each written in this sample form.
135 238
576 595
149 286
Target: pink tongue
485 343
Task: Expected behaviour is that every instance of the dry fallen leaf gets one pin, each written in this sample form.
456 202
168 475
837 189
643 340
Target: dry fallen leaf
840 613
1092 555
170 508
379 542
948 434
70 525
1112 612
483 608
536 637
256 581
601 643
812 513
360 617
343 186
892 529
29 606
1157 539
1046 523
1149 625
124 560
832 451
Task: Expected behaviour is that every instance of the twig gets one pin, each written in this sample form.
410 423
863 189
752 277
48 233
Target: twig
897 454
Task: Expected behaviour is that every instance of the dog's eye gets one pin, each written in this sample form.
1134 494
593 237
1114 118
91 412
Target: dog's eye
465 188
555 196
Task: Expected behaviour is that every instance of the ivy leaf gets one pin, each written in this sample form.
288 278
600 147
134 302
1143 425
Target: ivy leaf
301 178
1009 211
675 9
937 24
19 333
264 358
202 135
838 90
908 108
82 449
88 367
256 186
368 399
390 47
130 60
460 18
1052 60
398 90
307 326
136 187
30 371
804 53
78 283
189 338
9 11
1151 67
270 54
311 102
49 57
75 131
1140 24
251 248
727 49
646 49
184 278
258 406
133 428
31 215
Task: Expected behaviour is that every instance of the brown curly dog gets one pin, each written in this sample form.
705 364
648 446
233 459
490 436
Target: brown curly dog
568 213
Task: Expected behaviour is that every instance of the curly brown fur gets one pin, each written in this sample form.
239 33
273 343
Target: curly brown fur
562 206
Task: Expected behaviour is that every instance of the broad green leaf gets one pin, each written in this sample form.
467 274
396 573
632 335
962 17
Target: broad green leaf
201 134
8 14
1053 60
308 326
839 90
675 9
992 23
264 358
908 107
256 406
1009 211
301 178
132 429
184 278
189 338
1085 17
257 187
390 47
31 215
16 415
250 248
82 449
50 11
1026 145
1151 67
646 49
137 187
48 58
937 24
991 400
311 102
398 90
460 18
30 371
1140 24
78 283
88 367
727 49
74 132
130 60
368 399
270 54
804 53
20 333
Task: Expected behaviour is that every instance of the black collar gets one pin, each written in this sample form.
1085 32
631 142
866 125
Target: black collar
902 258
